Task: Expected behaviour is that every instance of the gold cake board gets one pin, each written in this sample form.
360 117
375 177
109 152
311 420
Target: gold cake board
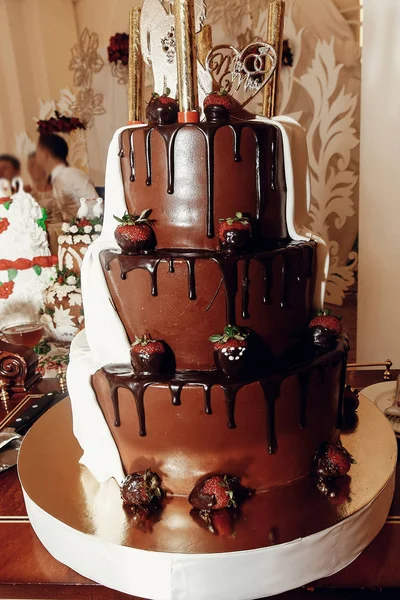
284 538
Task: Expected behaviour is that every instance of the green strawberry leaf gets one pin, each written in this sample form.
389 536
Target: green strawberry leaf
7 204
37 269
118 219
215 338
239 215
12 273
228 330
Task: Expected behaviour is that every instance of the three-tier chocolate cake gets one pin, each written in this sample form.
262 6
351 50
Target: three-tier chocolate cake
199 297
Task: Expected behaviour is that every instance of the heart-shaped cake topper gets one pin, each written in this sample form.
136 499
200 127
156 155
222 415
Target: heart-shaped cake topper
251 68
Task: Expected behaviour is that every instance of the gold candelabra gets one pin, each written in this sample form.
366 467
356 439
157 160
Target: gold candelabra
135 87
276 14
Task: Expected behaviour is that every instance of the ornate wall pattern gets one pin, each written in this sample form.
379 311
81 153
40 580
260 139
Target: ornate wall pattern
321 90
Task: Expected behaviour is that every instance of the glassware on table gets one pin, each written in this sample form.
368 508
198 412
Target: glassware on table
24 334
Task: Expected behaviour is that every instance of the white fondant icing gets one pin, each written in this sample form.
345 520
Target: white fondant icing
100 453
298 197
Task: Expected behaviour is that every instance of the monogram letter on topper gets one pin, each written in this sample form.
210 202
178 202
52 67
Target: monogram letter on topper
253 67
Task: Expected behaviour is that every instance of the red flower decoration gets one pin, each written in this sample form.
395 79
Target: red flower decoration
4 224
59 124
21 264
45 261
6 289
118 49
82 222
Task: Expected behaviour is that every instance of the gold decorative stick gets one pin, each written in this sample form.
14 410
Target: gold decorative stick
204 43
135 91
185 35
276 14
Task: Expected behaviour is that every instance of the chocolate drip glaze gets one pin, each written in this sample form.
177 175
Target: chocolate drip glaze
237 135
169 139
271 393
228 263
268 280
176 389
151 263
274 167
207 399
122 376
229 272
260 174
114 400
266 162
245 289
138 391
121 152
192 281
148 156
230 397
132 157
209 137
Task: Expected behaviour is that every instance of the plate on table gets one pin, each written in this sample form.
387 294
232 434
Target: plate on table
382 395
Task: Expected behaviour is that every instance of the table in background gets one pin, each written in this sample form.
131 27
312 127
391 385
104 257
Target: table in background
27 570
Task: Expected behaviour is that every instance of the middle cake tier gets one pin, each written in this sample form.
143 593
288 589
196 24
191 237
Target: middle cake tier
185 297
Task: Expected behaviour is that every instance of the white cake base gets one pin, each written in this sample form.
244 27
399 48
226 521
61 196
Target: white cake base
82 524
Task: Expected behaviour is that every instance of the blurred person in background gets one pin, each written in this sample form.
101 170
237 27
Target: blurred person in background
43 194
10 167
69 184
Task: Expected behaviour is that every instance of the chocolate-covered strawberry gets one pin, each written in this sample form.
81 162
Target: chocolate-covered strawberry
218 522
321 338
234 233
231 350
134 234
337 490
142 489
215 492
145 517
217 106
151 357
162 110
351 400
333 460
350 405
325 318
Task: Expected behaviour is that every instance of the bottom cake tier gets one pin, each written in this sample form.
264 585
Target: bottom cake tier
264 431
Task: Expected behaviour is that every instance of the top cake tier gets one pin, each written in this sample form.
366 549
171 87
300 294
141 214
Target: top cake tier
193 175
